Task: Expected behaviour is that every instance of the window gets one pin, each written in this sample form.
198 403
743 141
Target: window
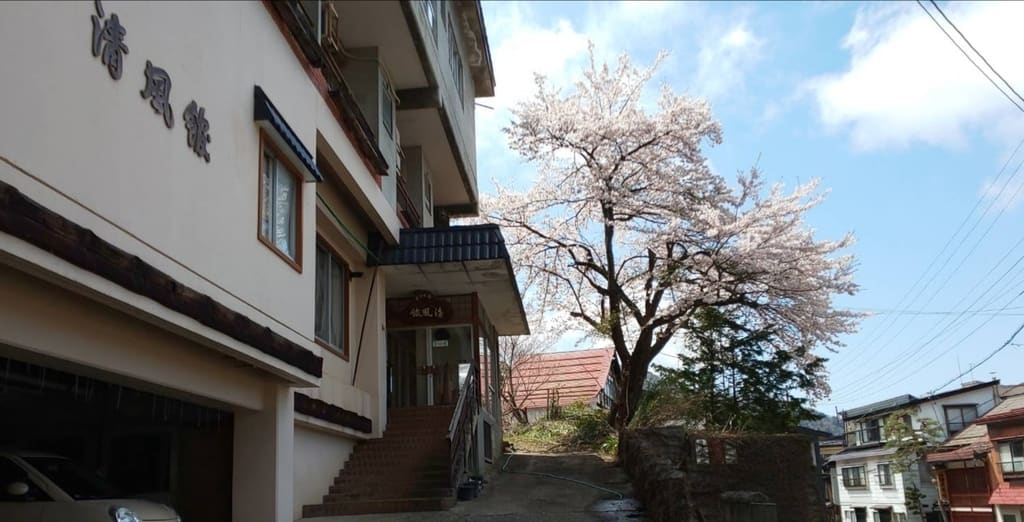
849 516
387 108
428 195
885 474
701 452
11 473
899 517
280 201
431 11
853 477
331 301
455 62
871 431
1011 456
1010 517
959 417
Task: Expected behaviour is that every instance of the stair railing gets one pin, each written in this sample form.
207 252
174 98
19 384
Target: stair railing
461 425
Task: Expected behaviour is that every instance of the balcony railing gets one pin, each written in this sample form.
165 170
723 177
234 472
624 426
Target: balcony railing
406 205
316 41
863 436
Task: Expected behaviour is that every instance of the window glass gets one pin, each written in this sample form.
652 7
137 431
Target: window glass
279 205
330 299
885 474
10 473
1011 456
74 480
387 110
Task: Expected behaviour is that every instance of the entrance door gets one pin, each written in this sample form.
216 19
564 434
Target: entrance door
426 366
861 514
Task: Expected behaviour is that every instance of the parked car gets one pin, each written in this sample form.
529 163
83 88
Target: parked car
41 487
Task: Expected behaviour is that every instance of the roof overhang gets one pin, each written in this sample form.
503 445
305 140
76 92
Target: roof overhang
268 118
456 260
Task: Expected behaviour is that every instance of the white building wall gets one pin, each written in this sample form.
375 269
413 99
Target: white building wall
319 455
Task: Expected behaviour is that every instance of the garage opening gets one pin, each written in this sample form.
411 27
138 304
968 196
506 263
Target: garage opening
147 445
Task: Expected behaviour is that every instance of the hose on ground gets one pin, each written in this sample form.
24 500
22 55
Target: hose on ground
558 477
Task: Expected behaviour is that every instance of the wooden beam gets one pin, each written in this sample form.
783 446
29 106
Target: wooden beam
29 221
325 411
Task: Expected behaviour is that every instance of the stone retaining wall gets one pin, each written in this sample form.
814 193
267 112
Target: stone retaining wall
679 481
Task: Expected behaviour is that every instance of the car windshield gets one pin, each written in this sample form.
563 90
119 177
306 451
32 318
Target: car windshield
76 481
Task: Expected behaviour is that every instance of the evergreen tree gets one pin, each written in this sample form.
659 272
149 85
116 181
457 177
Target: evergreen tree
741 379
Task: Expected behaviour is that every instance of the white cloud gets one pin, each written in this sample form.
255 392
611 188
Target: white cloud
907 83
725 58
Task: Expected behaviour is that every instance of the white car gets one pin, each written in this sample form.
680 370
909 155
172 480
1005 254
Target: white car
40 487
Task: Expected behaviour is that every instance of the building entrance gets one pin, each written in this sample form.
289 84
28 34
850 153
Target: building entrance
426 366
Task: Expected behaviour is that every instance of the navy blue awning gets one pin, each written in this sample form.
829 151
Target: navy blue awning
455 260
268 117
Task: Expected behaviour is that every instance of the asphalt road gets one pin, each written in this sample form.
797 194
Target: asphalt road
527 492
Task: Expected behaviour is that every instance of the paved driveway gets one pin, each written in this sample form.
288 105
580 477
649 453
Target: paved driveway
527 492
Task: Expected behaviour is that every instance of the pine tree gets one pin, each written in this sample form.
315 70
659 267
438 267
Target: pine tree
740 379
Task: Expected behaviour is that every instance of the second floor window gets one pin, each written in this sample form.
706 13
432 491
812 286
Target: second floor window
387 108
331 301
885 474
853 477
455 62
959 417
280 193
1011 456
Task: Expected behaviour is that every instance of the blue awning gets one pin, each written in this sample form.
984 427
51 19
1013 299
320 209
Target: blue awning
269 118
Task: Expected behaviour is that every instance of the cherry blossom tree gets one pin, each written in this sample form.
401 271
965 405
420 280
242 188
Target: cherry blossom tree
632 231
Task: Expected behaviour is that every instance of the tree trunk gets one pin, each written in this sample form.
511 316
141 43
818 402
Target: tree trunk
628 394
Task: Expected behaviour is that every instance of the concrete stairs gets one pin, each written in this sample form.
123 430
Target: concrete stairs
405 470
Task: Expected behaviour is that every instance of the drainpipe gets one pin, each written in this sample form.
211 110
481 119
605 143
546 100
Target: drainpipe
362 329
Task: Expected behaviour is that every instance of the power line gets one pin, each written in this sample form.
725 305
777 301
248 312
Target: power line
983 361
952 326
968 56
976 51
890 323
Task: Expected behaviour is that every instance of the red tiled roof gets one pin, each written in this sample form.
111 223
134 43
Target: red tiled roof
1012 494
578 376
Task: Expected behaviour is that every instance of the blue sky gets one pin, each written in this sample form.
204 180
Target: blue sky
872 99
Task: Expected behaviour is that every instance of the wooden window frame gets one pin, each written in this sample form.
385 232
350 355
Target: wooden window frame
344 350
266 143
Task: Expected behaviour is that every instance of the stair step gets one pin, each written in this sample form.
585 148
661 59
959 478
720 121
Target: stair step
416 492
389 505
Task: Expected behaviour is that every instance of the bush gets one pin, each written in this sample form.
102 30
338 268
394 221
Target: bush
577 428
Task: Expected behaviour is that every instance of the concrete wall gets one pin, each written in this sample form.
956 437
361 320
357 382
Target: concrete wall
319 456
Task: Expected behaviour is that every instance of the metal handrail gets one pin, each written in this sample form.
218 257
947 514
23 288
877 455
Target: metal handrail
461 419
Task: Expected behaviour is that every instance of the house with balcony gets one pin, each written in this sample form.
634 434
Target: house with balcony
228 276
980 471
865 486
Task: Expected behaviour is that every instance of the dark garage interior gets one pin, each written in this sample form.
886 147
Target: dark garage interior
148 445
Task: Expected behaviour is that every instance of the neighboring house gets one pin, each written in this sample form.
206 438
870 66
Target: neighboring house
980 471
226 265
558 379
865 487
